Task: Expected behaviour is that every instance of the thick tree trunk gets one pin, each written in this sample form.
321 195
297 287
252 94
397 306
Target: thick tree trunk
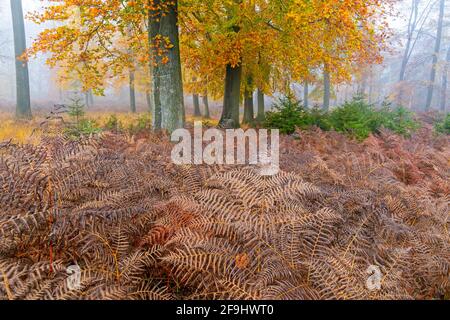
132 93
168 102
326 90
23 104
306 94
437 49
230 112
196 100
445 82
249 113
206 106
155 102
261 107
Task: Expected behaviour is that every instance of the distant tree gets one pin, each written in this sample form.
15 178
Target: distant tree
23 104
437 49
196 100
206 106
132 92
327 89
306 94
261 107
445 82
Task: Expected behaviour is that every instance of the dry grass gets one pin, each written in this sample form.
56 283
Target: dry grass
22 131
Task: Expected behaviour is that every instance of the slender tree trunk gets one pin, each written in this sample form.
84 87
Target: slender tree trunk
411 28
445 82
261 107
206 105
91 98
437 49
149 101
196 100
167 89
230 112
132 93
327 89
306 94
249 113
86 99
23 104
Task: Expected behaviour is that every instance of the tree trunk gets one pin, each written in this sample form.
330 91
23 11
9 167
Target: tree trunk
196 99
149 101
261 107
132 93
306 94
86 99
91 98
230 112
249 114
411 28
23 104
155 102
326 89
206 105
445 82
437 49
167 94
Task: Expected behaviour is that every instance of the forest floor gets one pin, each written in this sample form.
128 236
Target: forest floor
139 227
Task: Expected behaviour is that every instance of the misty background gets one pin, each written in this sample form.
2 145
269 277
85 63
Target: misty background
381 82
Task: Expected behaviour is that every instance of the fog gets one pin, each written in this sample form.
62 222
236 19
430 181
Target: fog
43 89
382 80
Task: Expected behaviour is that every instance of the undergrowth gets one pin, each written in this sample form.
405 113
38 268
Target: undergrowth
139 227
355 118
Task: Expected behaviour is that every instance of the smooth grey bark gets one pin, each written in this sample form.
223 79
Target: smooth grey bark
91 98
206 106
326 90
261 107
249 113
167 93
23 103
231 98
155 102
196 100
306 94
148 98
132 93
437 49
86 99
445 82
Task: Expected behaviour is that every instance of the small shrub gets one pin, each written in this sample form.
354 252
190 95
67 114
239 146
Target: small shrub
289 114
286 116
359 119
143 123
85 127
399 119
355 118
79 126
113 123
76 110
443 125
